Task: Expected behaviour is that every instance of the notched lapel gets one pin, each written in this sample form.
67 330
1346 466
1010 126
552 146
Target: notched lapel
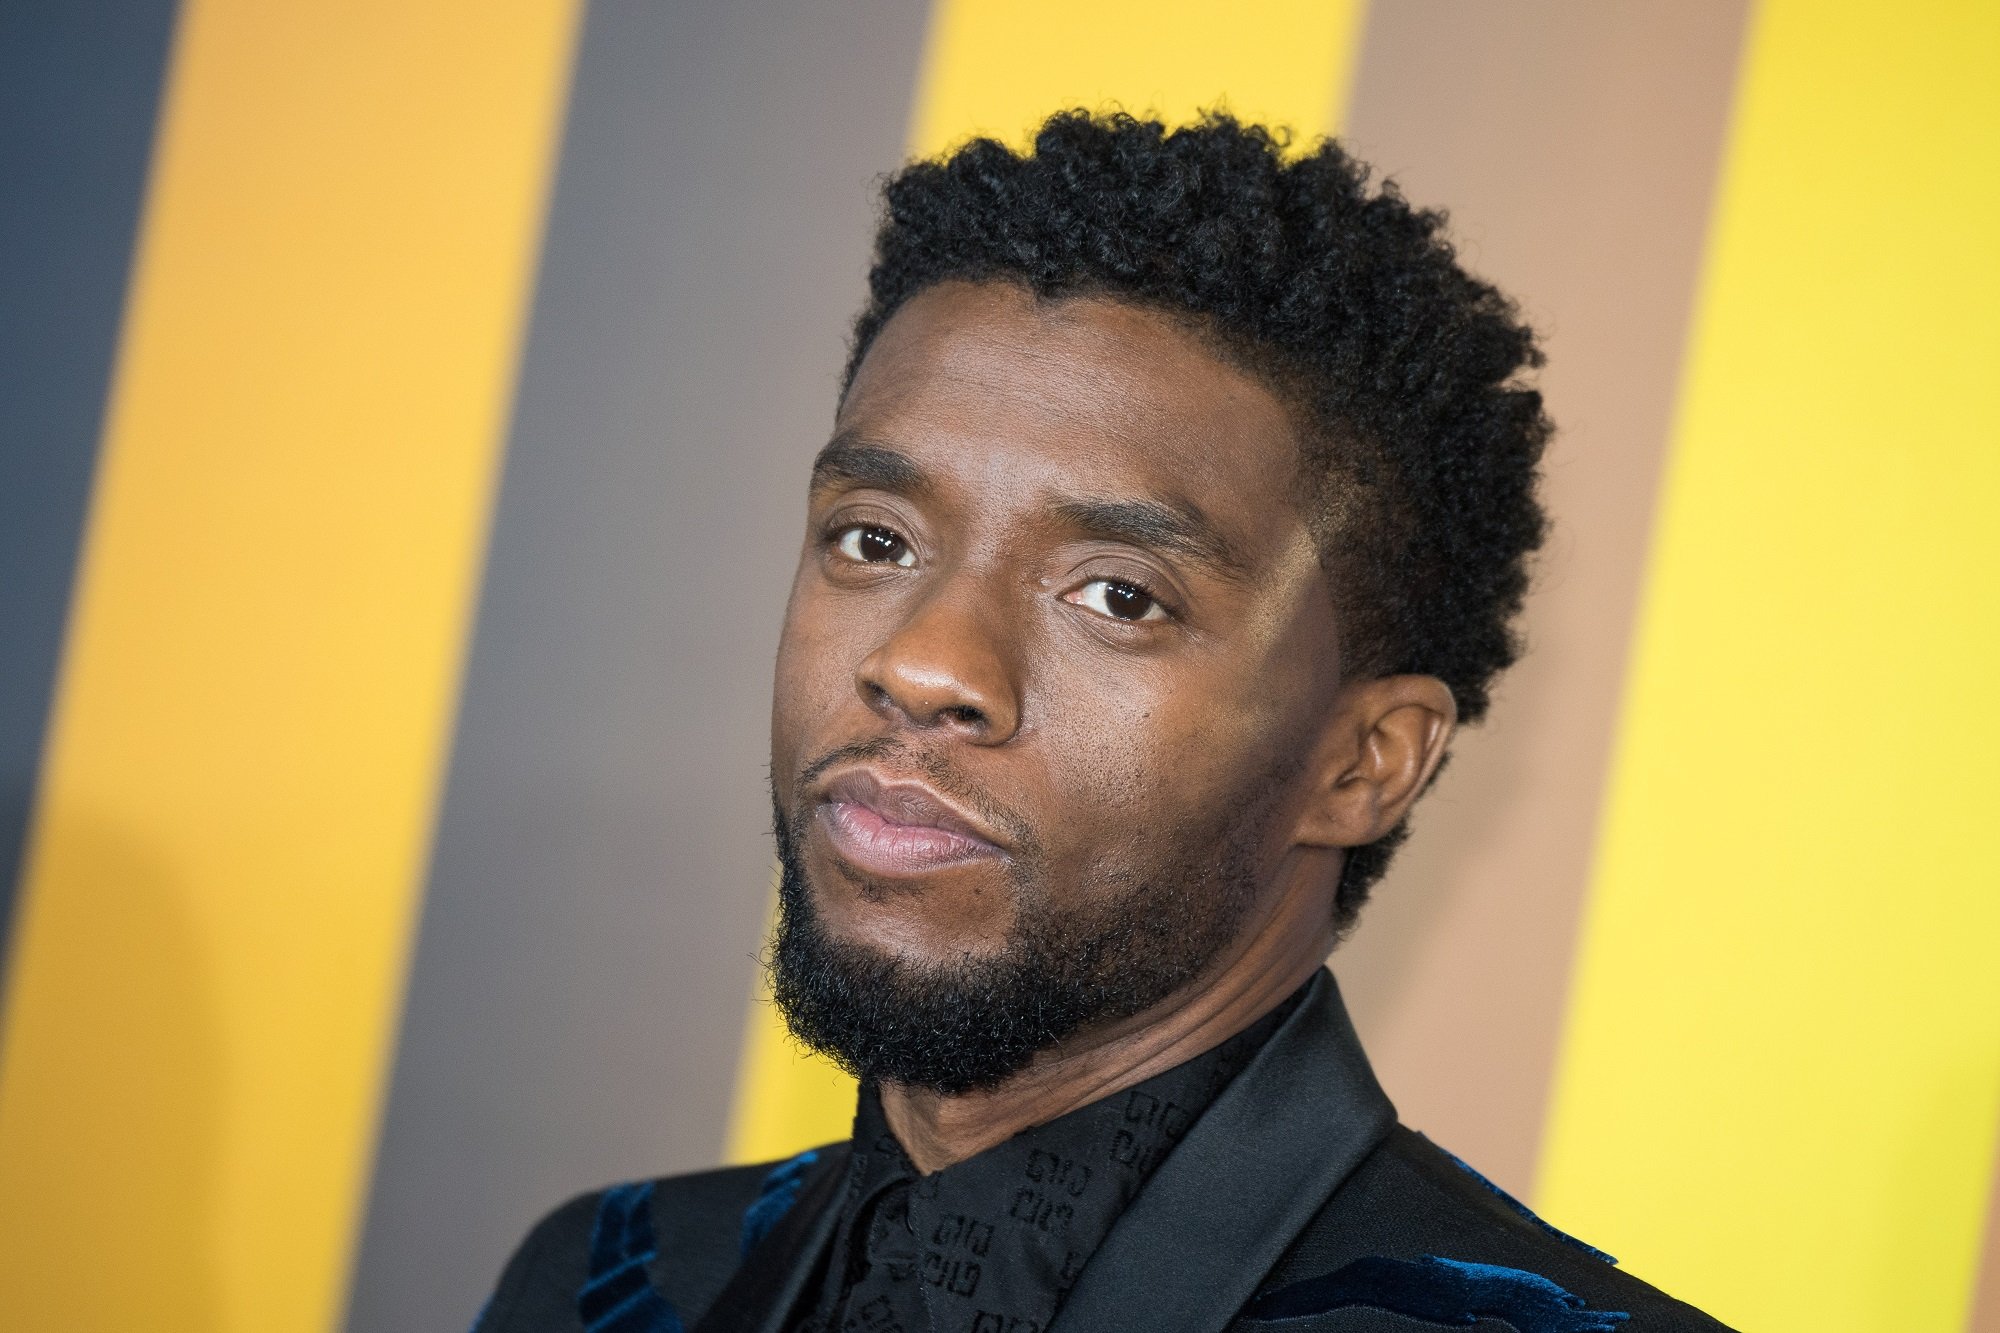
1194 1246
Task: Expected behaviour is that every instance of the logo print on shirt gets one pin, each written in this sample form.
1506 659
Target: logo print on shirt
988 1322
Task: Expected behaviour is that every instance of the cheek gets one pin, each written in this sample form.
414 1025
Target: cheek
1140 760
812 675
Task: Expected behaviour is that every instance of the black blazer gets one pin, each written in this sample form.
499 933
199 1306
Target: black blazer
1295 1204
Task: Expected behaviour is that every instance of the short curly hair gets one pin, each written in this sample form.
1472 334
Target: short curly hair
1420 442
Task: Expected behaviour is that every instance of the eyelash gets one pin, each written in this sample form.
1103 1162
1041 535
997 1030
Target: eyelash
1134 586
838 539
840 536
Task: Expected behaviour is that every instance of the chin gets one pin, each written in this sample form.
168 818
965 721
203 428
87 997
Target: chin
964 914
956 979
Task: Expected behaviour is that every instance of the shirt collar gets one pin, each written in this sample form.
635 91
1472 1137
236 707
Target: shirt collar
1009 1230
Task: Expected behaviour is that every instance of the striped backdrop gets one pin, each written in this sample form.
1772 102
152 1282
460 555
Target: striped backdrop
403 418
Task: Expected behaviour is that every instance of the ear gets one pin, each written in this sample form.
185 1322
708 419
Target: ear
1383 740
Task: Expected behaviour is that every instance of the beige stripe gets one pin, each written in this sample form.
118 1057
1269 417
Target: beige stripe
1575 144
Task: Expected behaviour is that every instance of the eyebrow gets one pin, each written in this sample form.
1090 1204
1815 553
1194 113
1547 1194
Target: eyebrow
1174 529
1177 529
858 463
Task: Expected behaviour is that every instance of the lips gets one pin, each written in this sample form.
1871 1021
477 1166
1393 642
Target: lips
897 828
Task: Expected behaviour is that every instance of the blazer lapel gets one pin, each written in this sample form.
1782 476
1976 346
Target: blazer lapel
761 1294
1193 1247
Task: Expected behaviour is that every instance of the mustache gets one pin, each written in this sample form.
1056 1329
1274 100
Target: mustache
935 769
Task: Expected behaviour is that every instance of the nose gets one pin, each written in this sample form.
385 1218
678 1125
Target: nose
945 666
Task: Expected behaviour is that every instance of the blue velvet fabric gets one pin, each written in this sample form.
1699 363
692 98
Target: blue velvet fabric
618 1295
1448 1292
1528 1212
779 1192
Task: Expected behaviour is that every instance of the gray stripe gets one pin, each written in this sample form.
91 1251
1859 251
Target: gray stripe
79 94
602 862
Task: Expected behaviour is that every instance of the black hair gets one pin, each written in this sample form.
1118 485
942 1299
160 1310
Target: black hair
1420 442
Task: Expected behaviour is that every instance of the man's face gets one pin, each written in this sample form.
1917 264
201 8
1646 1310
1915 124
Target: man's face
1057 640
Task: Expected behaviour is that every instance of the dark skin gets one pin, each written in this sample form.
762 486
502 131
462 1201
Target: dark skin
1054 553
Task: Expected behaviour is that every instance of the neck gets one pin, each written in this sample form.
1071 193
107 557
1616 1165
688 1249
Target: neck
1279 950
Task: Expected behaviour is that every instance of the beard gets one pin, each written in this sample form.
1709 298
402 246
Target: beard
1070 960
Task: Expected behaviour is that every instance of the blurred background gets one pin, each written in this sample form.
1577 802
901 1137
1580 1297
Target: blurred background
404 410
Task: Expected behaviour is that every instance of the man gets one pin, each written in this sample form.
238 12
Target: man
1176 511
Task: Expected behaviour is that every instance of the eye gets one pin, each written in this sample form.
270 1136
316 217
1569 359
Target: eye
1119 600
870 544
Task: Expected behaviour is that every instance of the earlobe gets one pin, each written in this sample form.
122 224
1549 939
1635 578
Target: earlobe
1383 742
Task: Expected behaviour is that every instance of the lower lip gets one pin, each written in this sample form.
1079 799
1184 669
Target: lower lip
876 846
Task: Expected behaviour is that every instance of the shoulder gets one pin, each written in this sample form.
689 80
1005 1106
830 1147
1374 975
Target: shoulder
669 1243
1417 1234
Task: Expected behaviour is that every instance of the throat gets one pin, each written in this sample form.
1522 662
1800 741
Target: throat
938 1130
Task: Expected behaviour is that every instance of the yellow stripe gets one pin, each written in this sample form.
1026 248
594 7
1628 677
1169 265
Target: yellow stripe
1782 1070
264 653
787 1099
1000 67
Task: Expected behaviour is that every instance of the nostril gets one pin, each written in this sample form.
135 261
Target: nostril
969 716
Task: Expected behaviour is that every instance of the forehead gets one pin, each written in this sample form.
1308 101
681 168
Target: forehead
1083 394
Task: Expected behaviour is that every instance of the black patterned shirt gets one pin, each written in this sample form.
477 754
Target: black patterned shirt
993 1244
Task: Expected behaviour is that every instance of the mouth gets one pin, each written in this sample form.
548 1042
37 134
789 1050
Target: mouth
898 828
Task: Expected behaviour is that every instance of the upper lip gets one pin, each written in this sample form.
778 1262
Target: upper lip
907 801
